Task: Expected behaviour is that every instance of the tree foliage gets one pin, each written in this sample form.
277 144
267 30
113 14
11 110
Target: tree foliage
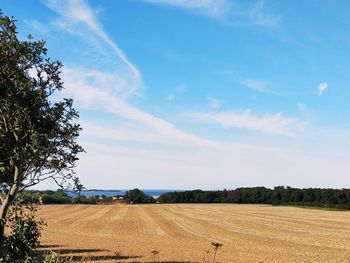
137 196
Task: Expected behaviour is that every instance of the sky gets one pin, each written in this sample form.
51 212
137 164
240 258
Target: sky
210 94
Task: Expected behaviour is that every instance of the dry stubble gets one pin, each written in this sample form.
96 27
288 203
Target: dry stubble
182 233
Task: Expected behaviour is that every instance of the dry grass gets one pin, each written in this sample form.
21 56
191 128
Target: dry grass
183 233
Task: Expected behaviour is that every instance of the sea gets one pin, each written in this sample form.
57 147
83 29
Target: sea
110 193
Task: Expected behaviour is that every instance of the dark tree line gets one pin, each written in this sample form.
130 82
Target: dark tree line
335 198
61 197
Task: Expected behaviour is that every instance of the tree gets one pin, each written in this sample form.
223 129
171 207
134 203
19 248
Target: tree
37 132
137 196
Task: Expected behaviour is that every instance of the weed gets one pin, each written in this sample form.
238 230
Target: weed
155 254
52 257
211 253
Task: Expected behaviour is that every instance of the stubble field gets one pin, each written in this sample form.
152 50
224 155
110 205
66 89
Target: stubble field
183 233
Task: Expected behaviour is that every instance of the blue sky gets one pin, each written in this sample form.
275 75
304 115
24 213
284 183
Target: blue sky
205 94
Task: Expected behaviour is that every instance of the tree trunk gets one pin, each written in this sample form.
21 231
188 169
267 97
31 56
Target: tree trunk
3 212
4 208
8 199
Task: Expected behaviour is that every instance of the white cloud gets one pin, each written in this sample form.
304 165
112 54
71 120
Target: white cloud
78 11
191 166
113 84
322 87
213 8
95 95
128 132
104 91
276 124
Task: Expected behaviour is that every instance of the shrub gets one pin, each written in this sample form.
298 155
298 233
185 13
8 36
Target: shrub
52 257
24 232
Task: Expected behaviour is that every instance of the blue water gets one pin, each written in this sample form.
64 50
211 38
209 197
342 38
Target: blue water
109 193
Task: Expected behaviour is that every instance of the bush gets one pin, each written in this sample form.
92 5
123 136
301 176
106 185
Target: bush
24 232
52 257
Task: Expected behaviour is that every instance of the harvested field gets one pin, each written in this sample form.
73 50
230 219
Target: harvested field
183 233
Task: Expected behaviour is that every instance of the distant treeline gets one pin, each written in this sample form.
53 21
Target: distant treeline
61 197
280 195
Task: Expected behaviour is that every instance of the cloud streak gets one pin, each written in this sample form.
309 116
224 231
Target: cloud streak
258 85
259 16
227 11
254 84
100 90
94 96
275 124
212 8
78 11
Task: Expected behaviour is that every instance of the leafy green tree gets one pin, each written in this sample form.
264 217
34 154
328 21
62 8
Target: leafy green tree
37 133
137 196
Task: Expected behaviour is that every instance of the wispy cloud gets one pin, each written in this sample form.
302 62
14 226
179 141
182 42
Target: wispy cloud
38 26
93 95
254 84
322 87
213 8
105 91
259 15
129 132
214 103
233 13
78 11
180 89
276 124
